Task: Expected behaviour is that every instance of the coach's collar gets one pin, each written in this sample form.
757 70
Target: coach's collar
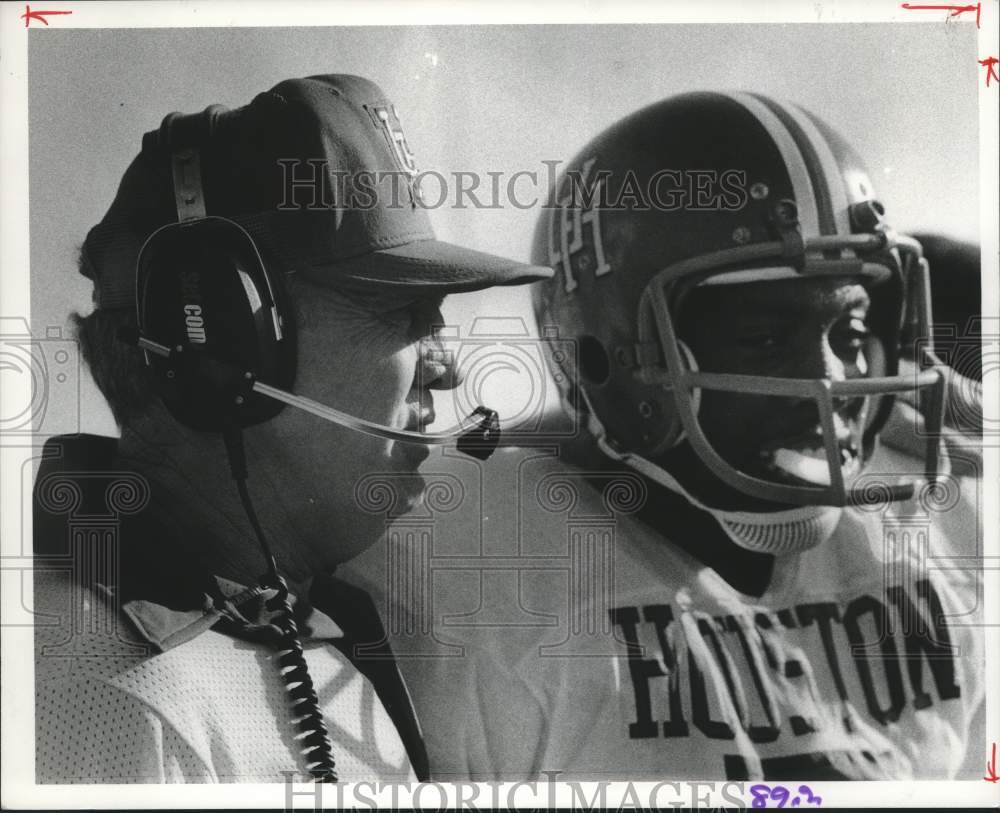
226 607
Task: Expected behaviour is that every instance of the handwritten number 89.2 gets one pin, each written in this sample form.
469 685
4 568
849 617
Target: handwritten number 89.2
780 794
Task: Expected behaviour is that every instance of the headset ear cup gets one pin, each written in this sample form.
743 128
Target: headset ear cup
203 287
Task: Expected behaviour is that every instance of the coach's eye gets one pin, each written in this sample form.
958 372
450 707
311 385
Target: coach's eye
425 317
397 319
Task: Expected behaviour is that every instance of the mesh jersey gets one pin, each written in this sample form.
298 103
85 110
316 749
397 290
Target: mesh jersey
212 709
576 639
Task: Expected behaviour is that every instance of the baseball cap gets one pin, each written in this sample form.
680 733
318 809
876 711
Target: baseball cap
319 172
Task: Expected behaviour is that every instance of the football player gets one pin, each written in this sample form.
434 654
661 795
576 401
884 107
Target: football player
768 592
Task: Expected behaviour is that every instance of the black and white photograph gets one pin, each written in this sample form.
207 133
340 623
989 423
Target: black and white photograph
469 405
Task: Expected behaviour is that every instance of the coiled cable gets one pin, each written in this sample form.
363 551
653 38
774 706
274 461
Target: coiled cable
314 738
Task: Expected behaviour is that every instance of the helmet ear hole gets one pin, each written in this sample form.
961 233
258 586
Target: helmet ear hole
595 365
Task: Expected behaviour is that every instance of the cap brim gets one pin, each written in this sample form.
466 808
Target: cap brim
429 265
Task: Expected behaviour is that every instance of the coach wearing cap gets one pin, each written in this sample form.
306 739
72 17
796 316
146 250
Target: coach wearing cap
163 658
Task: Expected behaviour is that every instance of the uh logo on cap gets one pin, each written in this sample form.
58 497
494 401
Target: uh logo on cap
387 119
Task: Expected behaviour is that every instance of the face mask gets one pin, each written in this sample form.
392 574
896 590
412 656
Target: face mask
777 532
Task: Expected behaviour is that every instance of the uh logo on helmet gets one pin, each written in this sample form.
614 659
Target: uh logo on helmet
707 189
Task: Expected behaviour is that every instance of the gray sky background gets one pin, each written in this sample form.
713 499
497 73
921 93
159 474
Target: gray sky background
495 98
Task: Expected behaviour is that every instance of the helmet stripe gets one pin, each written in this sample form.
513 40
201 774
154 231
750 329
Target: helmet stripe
793 158
814 165
832 170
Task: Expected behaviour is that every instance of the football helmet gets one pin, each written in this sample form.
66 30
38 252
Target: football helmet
707 189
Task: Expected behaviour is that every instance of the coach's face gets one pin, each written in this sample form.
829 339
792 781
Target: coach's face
802 328
374 358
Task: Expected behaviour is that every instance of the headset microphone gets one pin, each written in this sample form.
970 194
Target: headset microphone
476 435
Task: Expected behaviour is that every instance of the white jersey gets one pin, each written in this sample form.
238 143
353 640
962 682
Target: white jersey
567 636
208 708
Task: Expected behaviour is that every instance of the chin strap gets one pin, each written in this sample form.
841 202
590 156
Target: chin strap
776 532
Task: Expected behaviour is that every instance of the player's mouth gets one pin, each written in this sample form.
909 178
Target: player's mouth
802 460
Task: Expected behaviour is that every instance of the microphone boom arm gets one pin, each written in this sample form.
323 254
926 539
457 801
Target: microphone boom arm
360 424
476 435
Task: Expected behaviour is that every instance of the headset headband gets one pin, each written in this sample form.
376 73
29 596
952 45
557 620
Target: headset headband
182 136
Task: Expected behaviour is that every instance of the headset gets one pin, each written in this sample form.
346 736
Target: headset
216 330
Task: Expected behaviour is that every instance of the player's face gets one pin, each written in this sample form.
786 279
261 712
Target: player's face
813 328
375 359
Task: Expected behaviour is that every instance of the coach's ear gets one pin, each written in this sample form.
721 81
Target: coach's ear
962 431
